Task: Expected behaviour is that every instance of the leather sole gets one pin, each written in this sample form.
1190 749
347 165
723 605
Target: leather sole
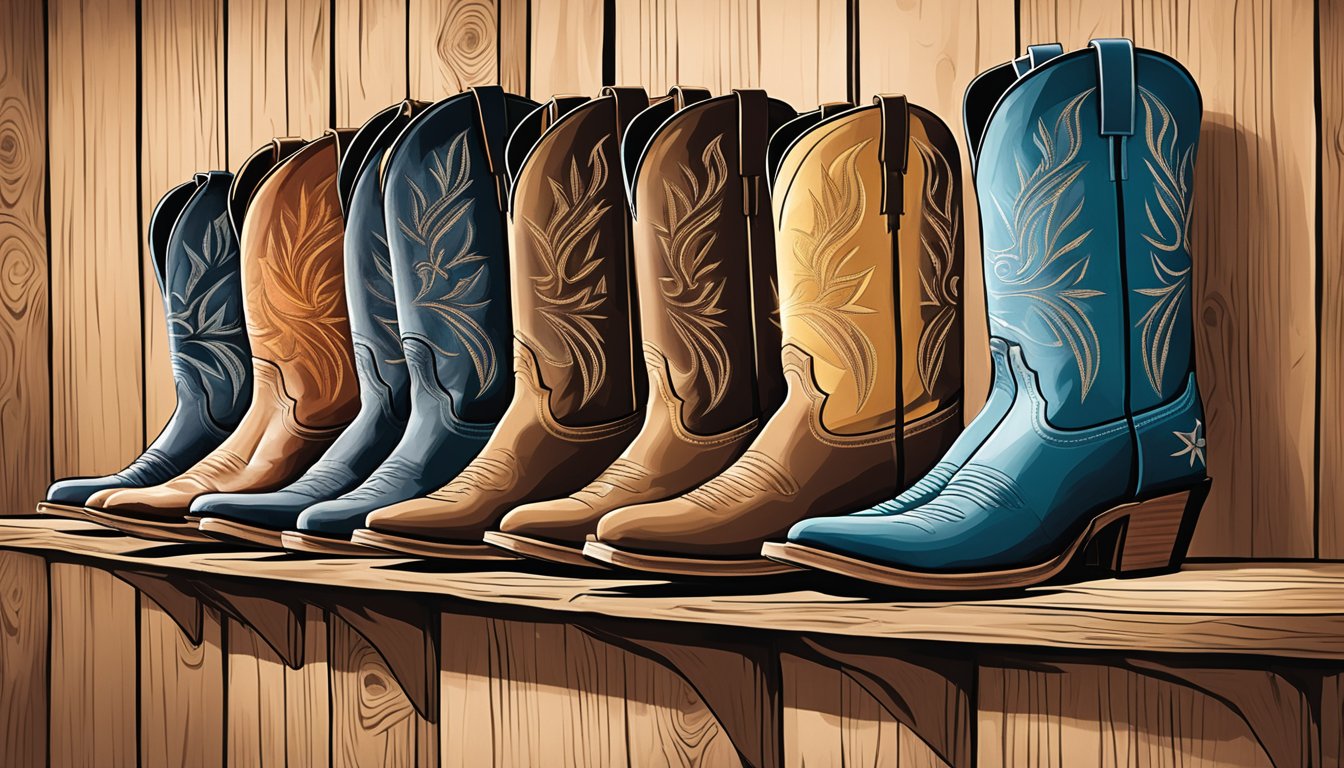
67 511
674 565
1153 539
234 531
441 550
158 530
298 541
539 549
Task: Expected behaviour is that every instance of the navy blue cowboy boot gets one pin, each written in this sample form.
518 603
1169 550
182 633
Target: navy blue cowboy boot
444 186
384 387
1084 172
195 257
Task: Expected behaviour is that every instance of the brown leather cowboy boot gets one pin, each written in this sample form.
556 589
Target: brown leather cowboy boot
867 209
304 390
578 389
705 266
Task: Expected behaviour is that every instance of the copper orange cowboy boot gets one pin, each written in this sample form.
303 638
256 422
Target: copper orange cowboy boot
705 261
578 389
304 388
867 208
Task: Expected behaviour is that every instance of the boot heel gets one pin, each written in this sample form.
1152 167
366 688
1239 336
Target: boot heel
1157 533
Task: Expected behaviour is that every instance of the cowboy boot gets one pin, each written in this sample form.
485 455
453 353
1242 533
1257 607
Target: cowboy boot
1085 168
195 258
1002 387
577 390
384 386
868 244
302 369
704 254
442 182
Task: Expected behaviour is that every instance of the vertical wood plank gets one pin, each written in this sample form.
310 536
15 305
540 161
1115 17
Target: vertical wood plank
812 713
1330 419
566 48
25 397
452 46
308 698
255 717
594 717
661 43
182 132
667 724
464 690
278 73
23 658
803 51
870 736
97 423
372 721
93 668
1254 245
181 691
930 50
370 57
514 56
528 699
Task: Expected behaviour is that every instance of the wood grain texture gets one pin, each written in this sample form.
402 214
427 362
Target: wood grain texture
452 46
1253 241
661 43
181 691
93 668
256 732
1330 419
1080 714
371 60
803 51
514 68
278 72
25 378
930 51
97 419
372 721
308 698
566 48
182 133
668 723
1332 720
23 658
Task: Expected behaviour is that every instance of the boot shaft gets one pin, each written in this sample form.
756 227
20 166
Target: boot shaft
292 244
704 253
868 227
572 277
1085 165
203 299
443 185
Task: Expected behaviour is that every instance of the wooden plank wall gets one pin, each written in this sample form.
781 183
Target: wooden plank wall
127 686
133 96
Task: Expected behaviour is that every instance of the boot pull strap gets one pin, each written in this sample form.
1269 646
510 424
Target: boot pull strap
684 96
893 153
492 115
286 146
1116 92
558 107
753 134
832 108
629 101
1035 56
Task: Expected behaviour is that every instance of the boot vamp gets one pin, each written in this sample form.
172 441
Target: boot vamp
1026 491
568 520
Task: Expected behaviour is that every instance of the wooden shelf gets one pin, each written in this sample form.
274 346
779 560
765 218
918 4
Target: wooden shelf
1290 610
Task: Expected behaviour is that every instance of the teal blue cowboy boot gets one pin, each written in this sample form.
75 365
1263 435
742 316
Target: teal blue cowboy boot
1084 176
384 386
444 187
195 257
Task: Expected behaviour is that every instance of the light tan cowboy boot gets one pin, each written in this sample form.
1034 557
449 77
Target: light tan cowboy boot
867 209
304 386
578 388
705 266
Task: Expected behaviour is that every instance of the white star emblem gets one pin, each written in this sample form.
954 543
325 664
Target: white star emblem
1193 444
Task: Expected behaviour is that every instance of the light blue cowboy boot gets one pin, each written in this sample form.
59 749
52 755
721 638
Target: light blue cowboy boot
444 187
195 257
384 386
1084 176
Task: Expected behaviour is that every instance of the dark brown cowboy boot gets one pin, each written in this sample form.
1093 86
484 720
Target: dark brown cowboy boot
304 386
705 260
578 389
867 207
